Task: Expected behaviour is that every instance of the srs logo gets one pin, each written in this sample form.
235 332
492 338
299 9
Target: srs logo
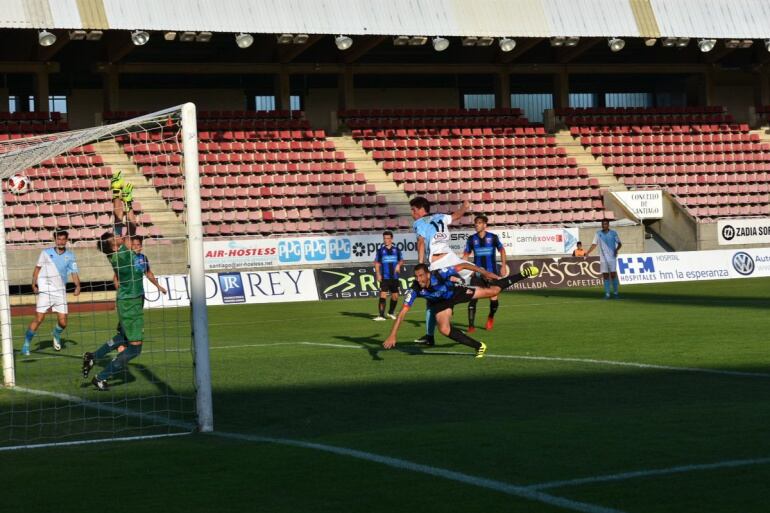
289 251
743 263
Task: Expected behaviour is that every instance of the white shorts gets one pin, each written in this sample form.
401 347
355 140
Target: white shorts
450 260
55 302
608 266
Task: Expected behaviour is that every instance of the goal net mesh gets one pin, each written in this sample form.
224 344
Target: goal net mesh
46 398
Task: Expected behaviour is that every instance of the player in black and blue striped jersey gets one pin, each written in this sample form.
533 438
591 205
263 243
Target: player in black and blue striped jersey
387 264
484 246
443 289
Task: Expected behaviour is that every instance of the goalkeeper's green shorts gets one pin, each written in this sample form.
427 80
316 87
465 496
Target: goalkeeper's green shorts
131 316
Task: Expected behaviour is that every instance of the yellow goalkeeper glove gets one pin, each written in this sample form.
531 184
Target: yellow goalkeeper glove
127 195
116 183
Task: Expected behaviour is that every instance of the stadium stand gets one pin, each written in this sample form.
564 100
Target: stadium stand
263 175
493 157
712 166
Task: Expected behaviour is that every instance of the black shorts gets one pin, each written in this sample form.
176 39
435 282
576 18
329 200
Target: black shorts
478 281
460 295
389 285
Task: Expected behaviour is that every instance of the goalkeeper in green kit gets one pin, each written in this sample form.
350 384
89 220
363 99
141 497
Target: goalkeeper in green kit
116 245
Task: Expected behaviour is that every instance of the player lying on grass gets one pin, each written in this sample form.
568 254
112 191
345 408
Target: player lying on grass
443 289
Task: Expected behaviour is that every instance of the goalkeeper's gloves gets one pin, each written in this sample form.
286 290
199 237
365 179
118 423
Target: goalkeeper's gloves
116 183
127 195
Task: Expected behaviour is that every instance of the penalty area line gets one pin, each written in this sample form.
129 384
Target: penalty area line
88 442
400 464
590 361
649 473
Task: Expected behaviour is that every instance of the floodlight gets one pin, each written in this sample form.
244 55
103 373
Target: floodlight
77 35
418 40
485 41
669 42
557 41
94 35
706 45
244 40
284 39
46 38
187 37
441 43
650 41
571 41
343 42
169 36
301 39
746 43
140 37
203 37
767 45
470 41
401 40
616 44
682 42
507 44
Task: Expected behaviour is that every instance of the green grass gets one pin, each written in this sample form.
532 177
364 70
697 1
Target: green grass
514 420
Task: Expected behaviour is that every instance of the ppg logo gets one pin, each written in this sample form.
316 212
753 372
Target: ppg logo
315 250
641 266
289 251
339 249
743 263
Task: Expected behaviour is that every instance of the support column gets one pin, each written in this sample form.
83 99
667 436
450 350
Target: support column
4 99
111 88
503 90
761 87
41 90
283 90
708 79
345 99
561 90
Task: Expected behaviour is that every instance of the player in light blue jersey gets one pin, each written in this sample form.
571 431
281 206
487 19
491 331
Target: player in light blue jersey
433 246
49 282
609 245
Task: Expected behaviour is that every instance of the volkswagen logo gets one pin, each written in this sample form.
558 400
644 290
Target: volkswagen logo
743 263
728 232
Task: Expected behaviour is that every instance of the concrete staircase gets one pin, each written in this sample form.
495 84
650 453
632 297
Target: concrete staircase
170 225
374 174
596 169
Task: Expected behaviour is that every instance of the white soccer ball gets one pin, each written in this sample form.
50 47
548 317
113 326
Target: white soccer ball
18 184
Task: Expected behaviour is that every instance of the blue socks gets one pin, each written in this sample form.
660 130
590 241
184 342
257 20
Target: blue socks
430 322
57 331
120 361
28 336
607 287
615 285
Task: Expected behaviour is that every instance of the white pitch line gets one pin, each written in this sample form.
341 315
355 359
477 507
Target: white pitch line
459 477
649 473
591 361
88 442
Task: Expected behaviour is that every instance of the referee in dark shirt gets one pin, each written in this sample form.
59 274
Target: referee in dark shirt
484 246
387 264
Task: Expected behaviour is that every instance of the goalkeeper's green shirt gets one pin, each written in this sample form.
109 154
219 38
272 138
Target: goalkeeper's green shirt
129 277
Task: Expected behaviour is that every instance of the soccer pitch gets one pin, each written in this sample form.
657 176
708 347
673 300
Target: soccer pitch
658 402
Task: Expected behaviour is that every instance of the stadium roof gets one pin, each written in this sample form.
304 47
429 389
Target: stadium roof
494 18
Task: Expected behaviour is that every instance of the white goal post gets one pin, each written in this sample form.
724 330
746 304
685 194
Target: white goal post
24 154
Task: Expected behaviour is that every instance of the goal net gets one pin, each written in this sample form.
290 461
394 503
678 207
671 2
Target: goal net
98 186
